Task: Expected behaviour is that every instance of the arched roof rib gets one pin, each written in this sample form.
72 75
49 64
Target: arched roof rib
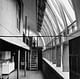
43 30
55 5
67 20
42 39
50 34
62 5
50 30
54 19
58 16
53 24
53 8
46 31
48 25
43 33
54 15
70 2
68 9
45 38
62 14
67 13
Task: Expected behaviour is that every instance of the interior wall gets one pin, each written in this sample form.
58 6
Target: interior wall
74 48
30 12
8 16
76 6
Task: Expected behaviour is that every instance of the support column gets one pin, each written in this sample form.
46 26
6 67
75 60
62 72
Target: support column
66 58
55 50
58 55
52 50
18 69
53 53
25 65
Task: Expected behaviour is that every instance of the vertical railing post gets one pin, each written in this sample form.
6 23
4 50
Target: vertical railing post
18 69
59 53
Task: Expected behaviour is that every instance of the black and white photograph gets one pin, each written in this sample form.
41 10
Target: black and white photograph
39 39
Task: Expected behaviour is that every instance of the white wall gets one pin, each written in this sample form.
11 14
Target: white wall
8 16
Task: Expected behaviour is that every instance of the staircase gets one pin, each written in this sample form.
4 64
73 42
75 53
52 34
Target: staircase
34 60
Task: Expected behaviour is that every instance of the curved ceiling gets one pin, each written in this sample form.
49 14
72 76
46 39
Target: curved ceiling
58 15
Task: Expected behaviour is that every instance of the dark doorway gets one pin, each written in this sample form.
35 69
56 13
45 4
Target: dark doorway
74 58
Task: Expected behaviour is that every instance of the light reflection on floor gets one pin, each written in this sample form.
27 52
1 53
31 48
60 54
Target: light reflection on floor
29 75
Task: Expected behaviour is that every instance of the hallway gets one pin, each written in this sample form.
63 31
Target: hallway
29 75
40 37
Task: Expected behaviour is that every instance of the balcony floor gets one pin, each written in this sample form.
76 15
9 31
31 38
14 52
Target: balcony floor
29 75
